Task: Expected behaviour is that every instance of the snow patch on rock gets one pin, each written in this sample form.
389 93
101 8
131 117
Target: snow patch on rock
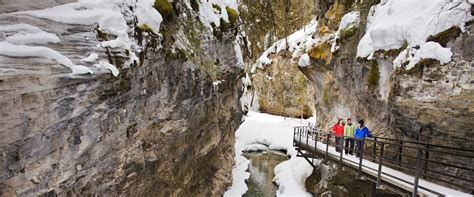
429 50
208 14
291 176
148 15
304 60
393 22
27 34
108 66
13 50
349 20
91 58
298 43
110 15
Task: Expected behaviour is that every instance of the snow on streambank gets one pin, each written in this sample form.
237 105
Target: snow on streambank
262 132
392 23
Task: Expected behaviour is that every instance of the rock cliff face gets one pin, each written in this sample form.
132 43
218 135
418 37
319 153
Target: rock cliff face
163 126
281 88
431 102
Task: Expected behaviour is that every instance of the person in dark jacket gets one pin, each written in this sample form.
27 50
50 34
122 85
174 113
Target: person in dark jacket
338 130
360 134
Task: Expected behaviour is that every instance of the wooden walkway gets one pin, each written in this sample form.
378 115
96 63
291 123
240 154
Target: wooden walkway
406 167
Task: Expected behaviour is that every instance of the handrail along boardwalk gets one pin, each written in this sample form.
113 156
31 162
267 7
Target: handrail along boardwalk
421 162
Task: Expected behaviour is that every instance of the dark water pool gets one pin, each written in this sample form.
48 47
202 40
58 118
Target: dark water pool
261 168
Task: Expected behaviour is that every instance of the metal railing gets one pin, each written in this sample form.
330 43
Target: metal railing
448 166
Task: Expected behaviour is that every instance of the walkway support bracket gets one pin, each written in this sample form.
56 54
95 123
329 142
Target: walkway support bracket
417 175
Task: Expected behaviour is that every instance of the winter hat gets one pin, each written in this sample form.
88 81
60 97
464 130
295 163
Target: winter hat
361 122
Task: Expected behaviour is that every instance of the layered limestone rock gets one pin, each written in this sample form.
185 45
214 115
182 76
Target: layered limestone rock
162 127
281 88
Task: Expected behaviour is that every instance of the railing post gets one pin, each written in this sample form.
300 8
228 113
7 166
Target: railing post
427 156
361 154
294 136
307 136
375 149
379 172
315 142
327 145
417 175
341 142
400 152
316 134
299 133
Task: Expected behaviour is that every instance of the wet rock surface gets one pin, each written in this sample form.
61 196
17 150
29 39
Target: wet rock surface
160 128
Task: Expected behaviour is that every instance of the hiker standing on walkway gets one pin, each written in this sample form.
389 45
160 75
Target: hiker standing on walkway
349 130
338 130
360 134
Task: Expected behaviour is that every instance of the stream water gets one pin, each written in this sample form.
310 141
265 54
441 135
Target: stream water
261 168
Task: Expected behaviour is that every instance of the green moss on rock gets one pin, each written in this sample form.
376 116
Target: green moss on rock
164 7
392 52
145 28
211 69
233 15
195 5
322 52
445 36
417 69
348 33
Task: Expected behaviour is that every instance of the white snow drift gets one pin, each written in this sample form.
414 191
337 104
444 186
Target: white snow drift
393 22
208 14
298 43
13 50
110 15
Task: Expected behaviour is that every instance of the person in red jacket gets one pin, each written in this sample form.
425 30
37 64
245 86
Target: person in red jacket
338 130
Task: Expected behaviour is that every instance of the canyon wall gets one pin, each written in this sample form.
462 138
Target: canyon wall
164 126
399 90
280 89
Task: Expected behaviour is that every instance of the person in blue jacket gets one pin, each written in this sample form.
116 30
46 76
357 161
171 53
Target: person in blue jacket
360 134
